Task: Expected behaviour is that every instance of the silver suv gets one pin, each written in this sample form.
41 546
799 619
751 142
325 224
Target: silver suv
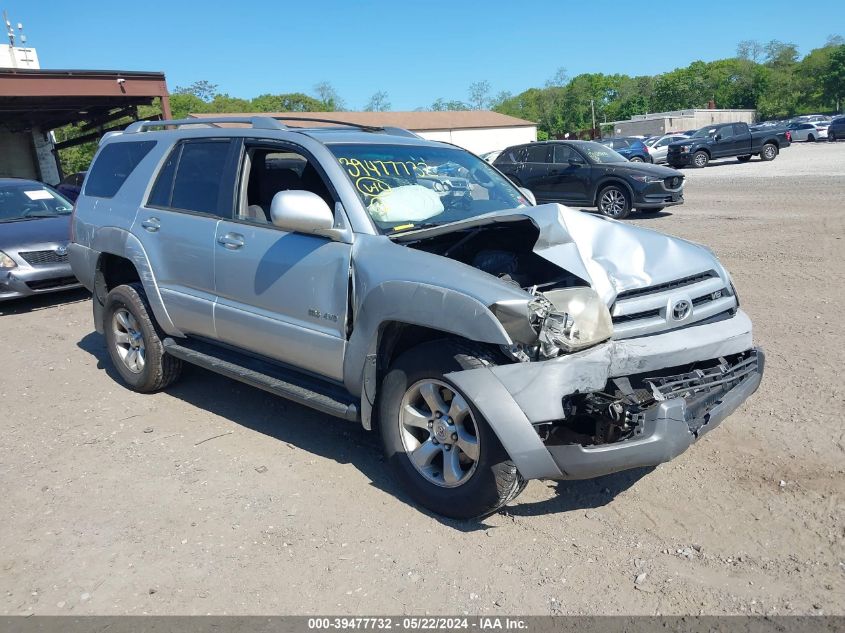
408 285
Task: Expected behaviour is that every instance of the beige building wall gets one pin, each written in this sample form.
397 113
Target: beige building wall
482 140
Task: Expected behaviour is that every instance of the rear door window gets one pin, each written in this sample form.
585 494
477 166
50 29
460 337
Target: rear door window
538 154
114 164
198 176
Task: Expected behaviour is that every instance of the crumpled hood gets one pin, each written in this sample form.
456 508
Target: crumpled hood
614 256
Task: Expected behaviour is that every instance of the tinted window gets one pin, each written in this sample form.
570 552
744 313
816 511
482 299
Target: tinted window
113 165
740 128
564 154
726 132
537 153
203 180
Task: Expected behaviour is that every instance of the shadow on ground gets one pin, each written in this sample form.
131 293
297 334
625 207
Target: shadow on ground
342 441
43 302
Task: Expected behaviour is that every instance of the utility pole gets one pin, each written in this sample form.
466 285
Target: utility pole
593 110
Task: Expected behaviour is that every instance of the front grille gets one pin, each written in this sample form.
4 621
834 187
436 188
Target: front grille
49 284
669 285
43 258
625 318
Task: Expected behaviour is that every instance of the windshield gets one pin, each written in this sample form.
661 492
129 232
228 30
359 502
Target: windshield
22 201
598 153
705 131
405 187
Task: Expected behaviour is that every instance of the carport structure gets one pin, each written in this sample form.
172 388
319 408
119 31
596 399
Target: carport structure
35 102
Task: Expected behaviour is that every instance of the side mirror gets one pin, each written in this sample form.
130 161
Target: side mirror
718 137
300 212
575 163
528 194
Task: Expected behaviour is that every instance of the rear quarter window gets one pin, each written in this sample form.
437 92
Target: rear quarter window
114 164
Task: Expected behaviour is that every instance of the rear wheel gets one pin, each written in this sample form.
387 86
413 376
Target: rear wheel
440 447
811 138
133 341
636 159
831 136
769 152
700 159
614 202
744 159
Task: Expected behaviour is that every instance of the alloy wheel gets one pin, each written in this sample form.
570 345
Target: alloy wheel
613 203
439 433
129 340
700 160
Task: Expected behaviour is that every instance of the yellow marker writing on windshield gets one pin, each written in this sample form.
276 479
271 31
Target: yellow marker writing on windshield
402 227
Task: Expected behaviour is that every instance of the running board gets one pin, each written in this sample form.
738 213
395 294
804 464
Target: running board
288 384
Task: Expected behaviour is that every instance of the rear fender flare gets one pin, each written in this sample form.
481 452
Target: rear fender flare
122 243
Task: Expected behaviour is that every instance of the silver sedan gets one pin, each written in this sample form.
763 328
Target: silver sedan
658 147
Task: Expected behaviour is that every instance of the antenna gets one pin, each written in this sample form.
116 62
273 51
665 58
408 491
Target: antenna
9 30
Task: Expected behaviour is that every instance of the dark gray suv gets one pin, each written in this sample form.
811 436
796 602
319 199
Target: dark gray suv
408 285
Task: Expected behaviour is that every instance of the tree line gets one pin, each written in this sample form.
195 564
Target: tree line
769 76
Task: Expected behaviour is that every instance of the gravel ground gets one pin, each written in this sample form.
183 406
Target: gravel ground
218 498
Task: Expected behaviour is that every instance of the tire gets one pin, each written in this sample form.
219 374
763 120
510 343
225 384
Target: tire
831 137
134 342
482 480
636 159
614 202
811 138
769 152
744 159
700 159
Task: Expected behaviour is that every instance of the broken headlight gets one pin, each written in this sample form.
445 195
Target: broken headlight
569 320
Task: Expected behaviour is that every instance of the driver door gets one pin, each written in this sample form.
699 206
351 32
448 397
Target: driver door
569 175
281 294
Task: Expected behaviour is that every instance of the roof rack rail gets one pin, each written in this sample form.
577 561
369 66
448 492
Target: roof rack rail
258 122
360 126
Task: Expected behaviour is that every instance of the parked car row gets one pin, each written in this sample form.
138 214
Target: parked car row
34 236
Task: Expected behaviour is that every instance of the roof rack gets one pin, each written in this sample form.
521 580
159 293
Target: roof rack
258 122
263 123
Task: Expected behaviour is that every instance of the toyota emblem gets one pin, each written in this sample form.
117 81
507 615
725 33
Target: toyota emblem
61 251
681 310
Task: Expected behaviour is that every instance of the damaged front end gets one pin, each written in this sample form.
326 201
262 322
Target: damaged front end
647 419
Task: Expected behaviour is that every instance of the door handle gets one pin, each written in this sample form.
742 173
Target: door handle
232 241
151 224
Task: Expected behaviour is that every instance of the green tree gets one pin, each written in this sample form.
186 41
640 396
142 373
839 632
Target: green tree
479 95
330 101
289 102
203 89
379 102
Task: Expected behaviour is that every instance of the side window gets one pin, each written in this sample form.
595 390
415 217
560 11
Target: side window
740 128
726 132
113 165
564 154
269 170
198 176
537 154
663 142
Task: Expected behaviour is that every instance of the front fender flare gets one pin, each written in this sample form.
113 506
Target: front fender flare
414 303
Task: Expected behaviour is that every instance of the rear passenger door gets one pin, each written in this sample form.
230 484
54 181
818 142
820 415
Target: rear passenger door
282 295
534 174
177 227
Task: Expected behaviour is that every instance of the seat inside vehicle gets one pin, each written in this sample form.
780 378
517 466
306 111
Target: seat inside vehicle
271 171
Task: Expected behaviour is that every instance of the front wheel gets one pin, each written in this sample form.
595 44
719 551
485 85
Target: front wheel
769 152
440 447
637 159
133 342
614 202
700 159
831 136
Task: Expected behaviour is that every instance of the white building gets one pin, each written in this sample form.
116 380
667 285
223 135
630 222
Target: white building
479 131
680 120
18 57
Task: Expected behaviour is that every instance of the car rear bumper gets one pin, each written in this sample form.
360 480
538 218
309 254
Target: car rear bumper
516 399
26 282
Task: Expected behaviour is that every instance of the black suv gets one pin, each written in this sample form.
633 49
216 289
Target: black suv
588 174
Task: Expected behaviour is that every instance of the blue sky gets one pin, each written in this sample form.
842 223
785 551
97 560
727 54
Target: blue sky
416 51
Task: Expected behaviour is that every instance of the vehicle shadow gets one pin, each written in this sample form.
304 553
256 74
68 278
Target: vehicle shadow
582 494
342 441
25 305
637 215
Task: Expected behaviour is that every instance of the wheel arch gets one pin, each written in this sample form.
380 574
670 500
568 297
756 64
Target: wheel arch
612 180
122 259
391 320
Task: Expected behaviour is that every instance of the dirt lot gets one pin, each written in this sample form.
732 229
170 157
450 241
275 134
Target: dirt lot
218 498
